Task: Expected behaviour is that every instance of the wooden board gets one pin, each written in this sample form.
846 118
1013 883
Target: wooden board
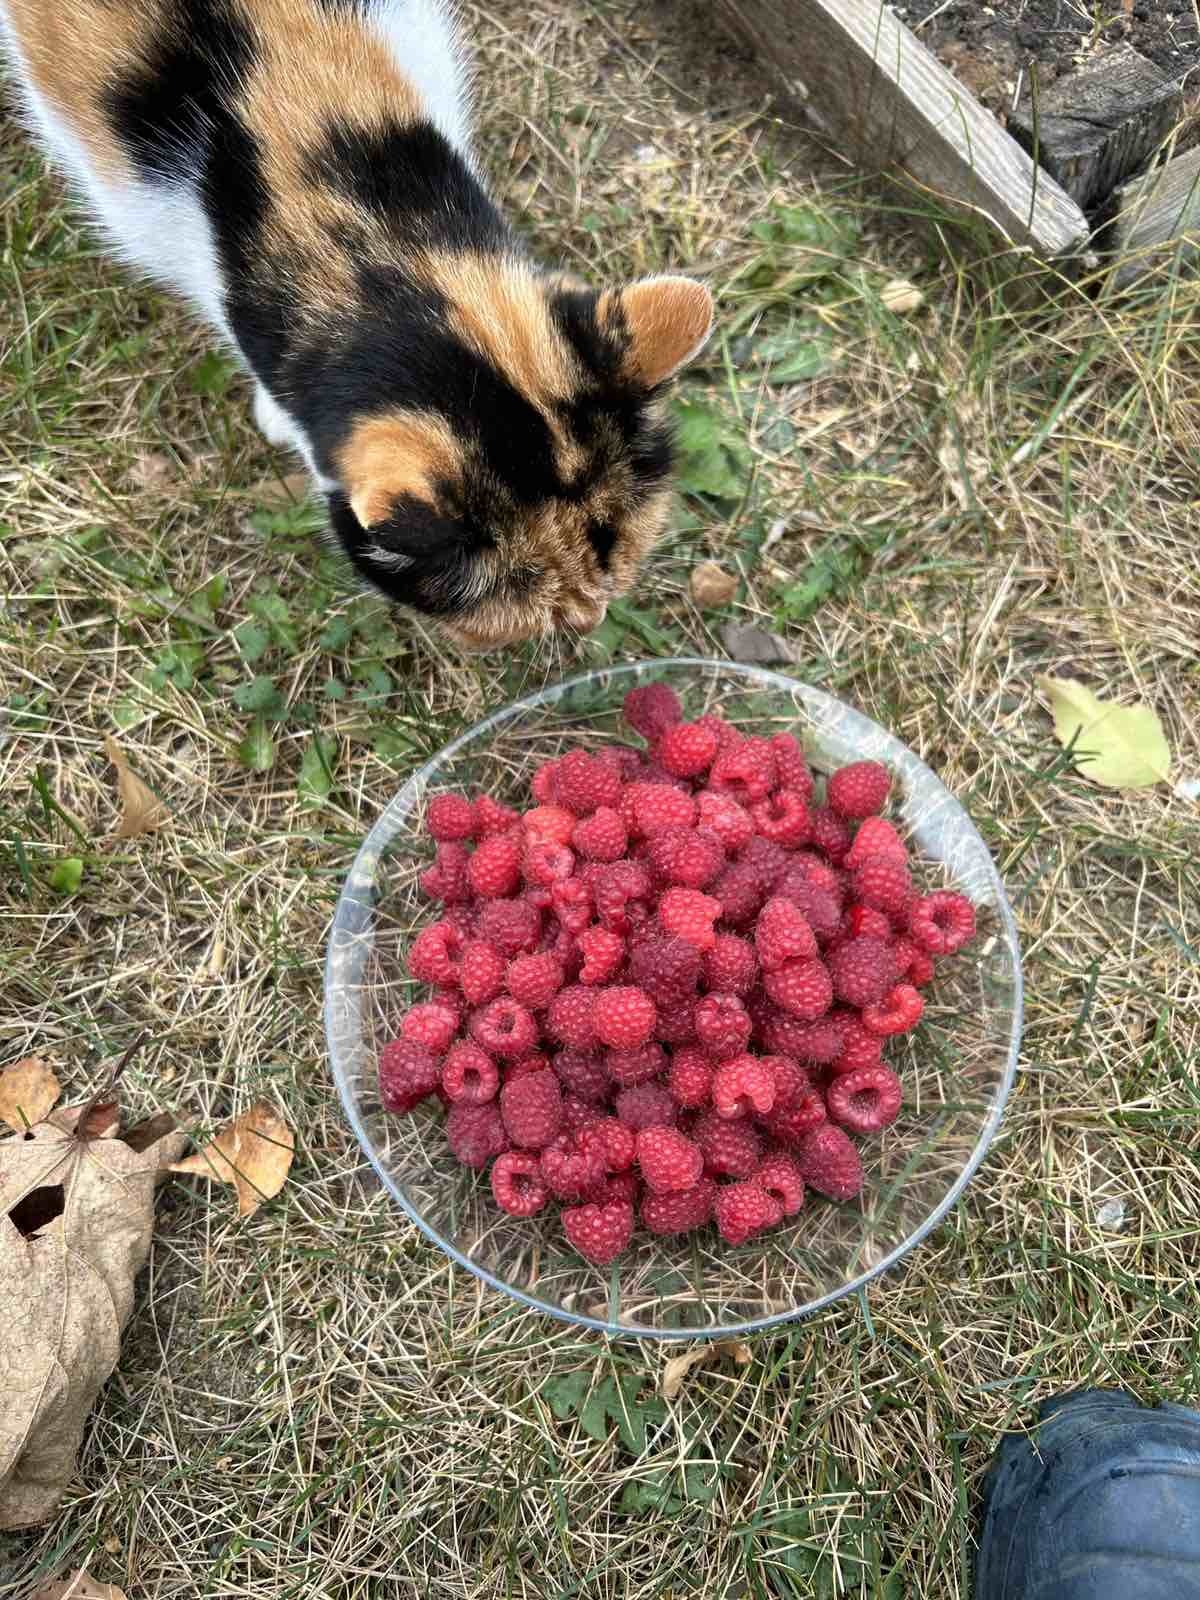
890 105
1161 208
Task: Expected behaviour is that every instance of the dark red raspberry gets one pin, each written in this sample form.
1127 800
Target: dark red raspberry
882 883
623 1017
511 926
627 762
470 1074
585 1073
782 817
829 1162
730 1149
722 1025
876 837
789 1077
602 836
688 914
548 825
942 922
861 919
790 1123
781 1033
648 808
450 816
652 709
687 749
821 874
646 1105
603 953
532 1109
480 972
640 1065
744 1209
517 1183
569 1018
690 1078
492 817
572 904
495 868
546 863
746 771
733 825
781 934
859 1048
863 970
533 1062
688 857
447 879
432 1024
743 1087
731 966
618 1142
859 790
533 981
677 1026
920 971
582 782
820 1042
407 1073
866 1100
780 1177
828 833
599 1232
769 861
739 892
898 1011
571 1166
476 1133
578 1112
504 1029
622 894
679 1212
433 955
669 1160
667 969
791 769
803 988
623 1186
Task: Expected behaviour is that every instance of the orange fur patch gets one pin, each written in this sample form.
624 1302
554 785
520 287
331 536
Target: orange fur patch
402 452
667 321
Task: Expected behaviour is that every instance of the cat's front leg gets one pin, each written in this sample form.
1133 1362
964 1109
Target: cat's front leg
273 421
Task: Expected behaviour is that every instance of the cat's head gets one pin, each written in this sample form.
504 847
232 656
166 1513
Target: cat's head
525 495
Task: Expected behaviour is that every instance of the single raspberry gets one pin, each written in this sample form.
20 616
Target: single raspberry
898 1011
533 981
476 1133
743 1087
585 1073
646 1105
790 1123
904 952
739 892
677 1026
920 971
828 833
480 972
447 879
599 1232
820 1042
652 709
821 874
863 970
602 836
791 769
548 824
882 884
866 1100
432 1024
450 999
653 773
687 749
860 1048
623 1017
533 1062
408 1072
688 857
780 1177
829 1162
504 1029
470 1074
746 770
648 808
542 783
744 1209
877 837
618 1142
517 1183
433 955
679 1212
622 895
733 825
450 816
942 922
784 1034
546 863
492 817
821 909
781 934
513 927
865 919
629 1067
769 861
730 1149
859 790
789 1078
583 782
802 987
561 945
624 760
603 954
495 868
571 1166
669 1160
782 817
690 1078
688 914
578 1112
722 1025
532 1109
668 970
623 1186
731 966
569 1018
572 904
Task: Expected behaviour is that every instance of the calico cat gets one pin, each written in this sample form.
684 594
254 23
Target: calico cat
491 437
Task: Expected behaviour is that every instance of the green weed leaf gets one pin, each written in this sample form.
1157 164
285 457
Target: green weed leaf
66 875
252 640
315 782
257 749
260 694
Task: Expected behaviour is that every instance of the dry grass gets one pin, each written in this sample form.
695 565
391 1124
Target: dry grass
310 1403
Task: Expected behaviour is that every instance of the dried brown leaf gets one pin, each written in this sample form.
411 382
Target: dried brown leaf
757 646
900 296
141 809
150 469
677 1369
711 585
253 1153
29 1091
79 1586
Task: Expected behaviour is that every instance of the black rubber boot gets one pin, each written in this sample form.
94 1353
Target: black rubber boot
1101 1503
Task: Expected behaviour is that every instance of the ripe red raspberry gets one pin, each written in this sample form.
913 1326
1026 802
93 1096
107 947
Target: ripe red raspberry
829 1162
828 833
803 988
746 770
898 1011
585 1073
821 874
789 1078
513 927
821 1042
667 969
780 1177
476 1133
623 1186
602 836
652 709
942 922
572 904
730 1149
866 1100
624 760
618 1142
877 837
739 892
546 863
450 816
578 1112
688 857
532 1109
640 1065
920 971
859 790
865 919
623 1017
782 817
599 1232
677 1026
492 817
669 1160
743 1087
569 1018
791 769
687 749
731 823
688 914
541 785
495 868
480 972
433 1024
533 981
731 966
722 1025
622 895
517 1183
646 1105
769 861
447 879
504 1029
572 1166
690 1078
744 1209
648 808
470 1074
433 955
584 782
407 1073
679 1212
790 1123
860 1048
548 824
533 1062
603 954
819 908
781 934
863 970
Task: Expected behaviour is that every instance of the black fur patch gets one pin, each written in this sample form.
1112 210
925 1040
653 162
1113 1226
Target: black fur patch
602 536
436 579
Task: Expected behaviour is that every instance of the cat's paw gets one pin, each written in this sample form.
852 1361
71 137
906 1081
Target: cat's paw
273 421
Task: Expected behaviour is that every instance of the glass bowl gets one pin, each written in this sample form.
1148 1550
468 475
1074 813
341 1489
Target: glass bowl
957 1067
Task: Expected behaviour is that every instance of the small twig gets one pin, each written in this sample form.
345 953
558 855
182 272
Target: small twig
113 1079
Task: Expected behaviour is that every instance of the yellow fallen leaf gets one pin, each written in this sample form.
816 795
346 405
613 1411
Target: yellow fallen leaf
141 809
29 1091
1121 747
253 1153
81 1586
677 1369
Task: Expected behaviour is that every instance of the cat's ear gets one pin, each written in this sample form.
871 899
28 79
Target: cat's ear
397 456
665 321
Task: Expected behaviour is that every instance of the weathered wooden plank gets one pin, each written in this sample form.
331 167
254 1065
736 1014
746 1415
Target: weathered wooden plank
1092 129
892 106
1160 209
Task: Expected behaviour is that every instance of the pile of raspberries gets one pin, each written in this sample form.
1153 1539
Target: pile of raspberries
662 993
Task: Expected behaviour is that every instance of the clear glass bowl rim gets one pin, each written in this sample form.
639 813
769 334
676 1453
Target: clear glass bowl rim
352 898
